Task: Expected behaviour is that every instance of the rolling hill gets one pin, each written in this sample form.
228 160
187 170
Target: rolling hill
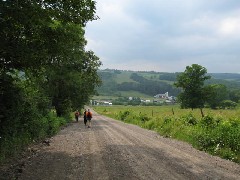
119 83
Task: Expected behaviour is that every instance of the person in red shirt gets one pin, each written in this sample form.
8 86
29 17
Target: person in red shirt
89 118
77 114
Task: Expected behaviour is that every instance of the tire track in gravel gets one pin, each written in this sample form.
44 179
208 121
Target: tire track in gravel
113 155
94 163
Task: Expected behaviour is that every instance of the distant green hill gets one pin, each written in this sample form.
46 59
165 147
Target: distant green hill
118 83
226 76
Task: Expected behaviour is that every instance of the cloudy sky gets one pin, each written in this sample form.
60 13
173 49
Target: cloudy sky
167 35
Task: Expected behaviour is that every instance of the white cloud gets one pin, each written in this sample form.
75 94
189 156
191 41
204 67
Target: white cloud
166 35
230 26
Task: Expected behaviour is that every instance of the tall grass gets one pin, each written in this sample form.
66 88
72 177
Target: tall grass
38 128
217 133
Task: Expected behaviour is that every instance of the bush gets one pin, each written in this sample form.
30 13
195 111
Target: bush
209 121
15 138
151 124
167 120
123 115
228 104
189 119
54 124
222 139
143 117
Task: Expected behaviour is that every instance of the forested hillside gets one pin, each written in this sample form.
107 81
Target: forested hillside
114 82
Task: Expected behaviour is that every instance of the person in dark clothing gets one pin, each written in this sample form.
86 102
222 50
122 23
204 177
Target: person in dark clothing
85 117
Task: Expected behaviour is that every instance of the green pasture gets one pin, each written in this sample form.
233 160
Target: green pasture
150 76
124 77
217 133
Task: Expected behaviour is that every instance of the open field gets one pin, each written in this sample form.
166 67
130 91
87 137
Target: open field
217 133
163 111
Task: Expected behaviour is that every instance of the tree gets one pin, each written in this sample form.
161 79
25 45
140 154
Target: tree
34 32
216 94
234 95
228 104
70 88
43 63
46 38
191 81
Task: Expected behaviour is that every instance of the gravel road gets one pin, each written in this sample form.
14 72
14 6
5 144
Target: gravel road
114 150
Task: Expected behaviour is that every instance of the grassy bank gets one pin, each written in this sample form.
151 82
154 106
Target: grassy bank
218 133
17 138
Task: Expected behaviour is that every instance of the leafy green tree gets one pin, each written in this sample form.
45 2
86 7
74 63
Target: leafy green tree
228 104
216 93
73 79
234 95
42 45
44 36
34 32
71 89
191 81
22 109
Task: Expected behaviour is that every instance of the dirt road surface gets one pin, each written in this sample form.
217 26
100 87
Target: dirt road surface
114 150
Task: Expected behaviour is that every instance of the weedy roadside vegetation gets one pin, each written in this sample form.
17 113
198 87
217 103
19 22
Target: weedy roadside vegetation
34 130
217 133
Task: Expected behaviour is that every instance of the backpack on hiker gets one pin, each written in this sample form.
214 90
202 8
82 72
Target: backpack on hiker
77 114
89 115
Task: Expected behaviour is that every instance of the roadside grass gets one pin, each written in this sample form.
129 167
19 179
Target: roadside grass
34 130
217 133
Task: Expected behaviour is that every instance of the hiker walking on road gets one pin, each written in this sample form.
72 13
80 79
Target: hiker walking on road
89 117
85 117
77 114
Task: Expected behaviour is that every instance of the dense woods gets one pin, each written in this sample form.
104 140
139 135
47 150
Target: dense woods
44 68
